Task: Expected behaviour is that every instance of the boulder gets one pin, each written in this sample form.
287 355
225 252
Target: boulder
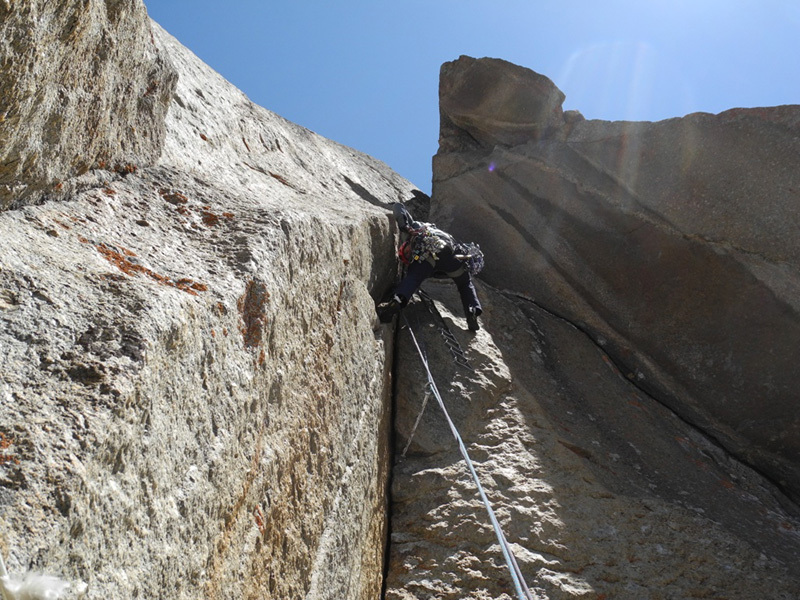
84 86
492 101
673 244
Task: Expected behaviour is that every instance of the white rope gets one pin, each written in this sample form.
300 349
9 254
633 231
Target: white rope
523 593
33 586
419 418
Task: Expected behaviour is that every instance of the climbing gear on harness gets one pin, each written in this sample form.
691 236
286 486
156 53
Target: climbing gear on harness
427 242
471 255
523 593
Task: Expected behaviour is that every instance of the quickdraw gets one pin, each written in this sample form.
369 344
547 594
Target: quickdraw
428 241
449 339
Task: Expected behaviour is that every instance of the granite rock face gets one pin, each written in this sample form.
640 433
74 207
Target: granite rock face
674 244
196 395
195 391
601 490
493 101
82 85
630 405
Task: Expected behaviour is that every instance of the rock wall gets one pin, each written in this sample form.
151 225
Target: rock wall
195 391
601 490
674 244
630 406
83 85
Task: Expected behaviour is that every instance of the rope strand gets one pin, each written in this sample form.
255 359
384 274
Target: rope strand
523 593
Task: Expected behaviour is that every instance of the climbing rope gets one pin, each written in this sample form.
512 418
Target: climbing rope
523 593
449 339
419 418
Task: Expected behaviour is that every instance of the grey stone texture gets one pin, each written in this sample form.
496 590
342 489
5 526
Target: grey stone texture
632 409
601 490
195 390
82 86
197 400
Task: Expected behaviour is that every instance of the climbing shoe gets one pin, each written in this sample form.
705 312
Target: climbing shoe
387 310
472 319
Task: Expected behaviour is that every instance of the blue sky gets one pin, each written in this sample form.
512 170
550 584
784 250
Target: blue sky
365 72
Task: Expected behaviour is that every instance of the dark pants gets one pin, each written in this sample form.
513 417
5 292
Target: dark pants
419 271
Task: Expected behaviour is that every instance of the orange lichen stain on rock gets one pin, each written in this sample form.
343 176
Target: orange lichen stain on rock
280 178
5 444
173 197
126 169
258 517
209 218
121 258
251 308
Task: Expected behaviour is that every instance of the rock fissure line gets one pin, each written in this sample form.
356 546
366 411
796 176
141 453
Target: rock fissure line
620 367
393 373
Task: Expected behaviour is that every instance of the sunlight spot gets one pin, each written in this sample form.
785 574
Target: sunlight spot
625 81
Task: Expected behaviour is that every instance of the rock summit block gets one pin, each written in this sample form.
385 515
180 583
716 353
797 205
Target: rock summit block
497 102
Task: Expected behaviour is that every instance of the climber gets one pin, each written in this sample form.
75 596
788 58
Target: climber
430 252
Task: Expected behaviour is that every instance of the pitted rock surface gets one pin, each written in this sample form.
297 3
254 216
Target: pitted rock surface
601 491
83 86
195 390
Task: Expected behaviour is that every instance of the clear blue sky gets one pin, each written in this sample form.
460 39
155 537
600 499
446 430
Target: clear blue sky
365 72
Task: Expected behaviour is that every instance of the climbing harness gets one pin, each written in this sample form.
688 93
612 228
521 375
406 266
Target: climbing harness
427 241
449 339
523 593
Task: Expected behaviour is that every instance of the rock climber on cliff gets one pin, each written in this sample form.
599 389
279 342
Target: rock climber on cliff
427 251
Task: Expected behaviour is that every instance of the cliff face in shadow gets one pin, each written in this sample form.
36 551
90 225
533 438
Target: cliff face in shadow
674 244
195 391
631 408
